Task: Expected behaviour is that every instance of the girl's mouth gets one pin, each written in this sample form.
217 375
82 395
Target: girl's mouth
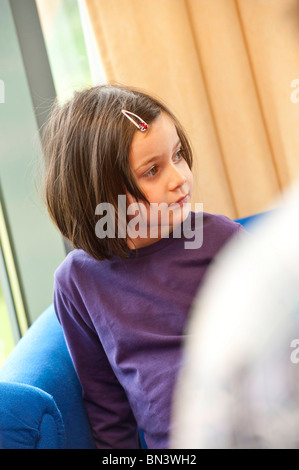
181 201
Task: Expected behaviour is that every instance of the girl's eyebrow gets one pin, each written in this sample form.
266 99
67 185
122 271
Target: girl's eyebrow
154 159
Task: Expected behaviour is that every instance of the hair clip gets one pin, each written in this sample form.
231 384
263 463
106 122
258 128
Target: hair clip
142 126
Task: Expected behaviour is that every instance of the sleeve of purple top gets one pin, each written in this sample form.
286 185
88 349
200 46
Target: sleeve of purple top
112 421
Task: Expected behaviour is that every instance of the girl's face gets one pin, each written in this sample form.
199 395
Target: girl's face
160 170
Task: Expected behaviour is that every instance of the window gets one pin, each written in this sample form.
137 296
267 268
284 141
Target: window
31 248
6 335
65 42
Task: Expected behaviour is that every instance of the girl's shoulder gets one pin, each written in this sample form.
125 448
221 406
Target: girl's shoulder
77 267
217 230
218 221
216 224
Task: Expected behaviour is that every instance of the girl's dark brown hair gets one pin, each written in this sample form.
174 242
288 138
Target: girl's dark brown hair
86 145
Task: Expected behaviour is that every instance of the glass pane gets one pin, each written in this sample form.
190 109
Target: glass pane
64 38
32 247
6 335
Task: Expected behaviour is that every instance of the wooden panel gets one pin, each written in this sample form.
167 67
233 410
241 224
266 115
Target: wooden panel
235 105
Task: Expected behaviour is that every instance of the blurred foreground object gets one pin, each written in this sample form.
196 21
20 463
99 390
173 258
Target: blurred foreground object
239 385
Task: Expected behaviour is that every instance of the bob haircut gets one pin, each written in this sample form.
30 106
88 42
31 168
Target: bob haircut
86 144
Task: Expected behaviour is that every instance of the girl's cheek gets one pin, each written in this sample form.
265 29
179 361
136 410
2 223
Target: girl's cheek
189 176
191 180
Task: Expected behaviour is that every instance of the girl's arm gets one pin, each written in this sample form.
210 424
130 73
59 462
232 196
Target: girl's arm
108 410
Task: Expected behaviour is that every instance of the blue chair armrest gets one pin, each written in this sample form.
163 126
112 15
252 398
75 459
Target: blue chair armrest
41 360
29 418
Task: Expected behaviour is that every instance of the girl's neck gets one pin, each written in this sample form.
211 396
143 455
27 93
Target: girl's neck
140 242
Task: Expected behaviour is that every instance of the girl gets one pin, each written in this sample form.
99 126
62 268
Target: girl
123 300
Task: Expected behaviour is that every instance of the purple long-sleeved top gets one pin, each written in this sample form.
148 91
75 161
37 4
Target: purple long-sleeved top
124 322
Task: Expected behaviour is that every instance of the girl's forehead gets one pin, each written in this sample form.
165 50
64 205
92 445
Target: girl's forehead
160 137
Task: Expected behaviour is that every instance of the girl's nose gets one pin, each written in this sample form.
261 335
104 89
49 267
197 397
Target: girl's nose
176 179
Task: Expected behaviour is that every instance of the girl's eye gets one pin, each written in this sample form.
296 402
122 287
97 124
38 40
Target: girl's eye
152 172
178 156
154 169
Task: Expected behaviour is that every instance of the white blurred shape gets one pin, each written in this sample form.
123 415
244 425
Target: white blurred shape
238 386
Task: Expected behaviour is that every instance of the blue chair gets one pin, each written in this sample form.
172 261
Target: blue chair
41 403
40 395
